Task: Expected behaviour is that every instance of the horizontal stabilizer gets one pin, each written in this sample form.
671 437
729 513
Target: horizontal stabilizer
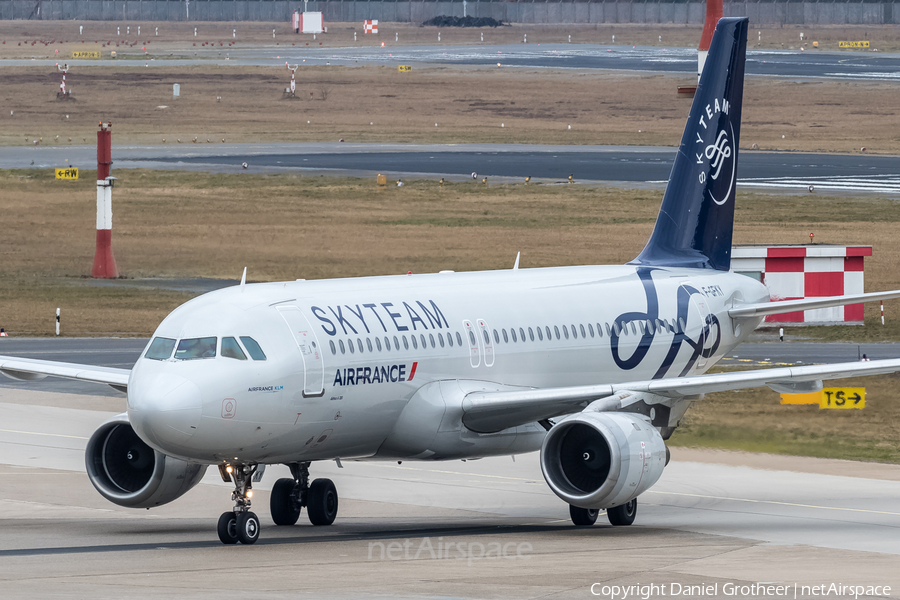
785 306
488 412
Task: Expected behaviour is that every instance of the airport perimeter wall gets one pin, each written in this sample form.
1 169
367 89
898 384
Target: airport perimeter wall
761 13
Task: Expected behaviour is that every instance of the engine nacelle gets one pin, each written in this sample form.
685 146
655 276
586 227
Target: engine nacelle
602 459
128 472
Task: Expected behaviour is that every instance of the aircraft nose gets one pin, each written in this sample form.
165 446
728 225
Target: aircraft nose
165 410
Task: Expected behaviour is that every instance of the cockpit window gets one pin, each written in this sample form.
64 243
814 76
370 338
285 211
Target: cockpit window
253 348
231 349
160 349
196 348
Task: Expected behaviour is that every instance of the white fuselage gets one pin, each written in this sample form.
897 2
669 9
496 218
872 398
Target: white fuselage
344 357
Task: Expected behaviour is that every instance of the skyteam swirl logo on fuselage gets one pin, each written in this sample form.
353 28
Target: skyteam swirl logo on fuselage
717 154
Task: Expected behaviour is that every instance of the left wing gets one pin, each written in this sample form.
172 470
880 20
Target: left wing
779 307
488 412
29 369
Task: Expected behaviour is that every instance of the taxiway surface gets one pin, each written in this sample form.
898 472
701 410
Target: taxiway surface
628 164
714 518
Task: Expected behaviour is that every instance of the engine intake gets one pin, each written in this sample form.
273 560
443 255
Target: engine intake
602 459
128 472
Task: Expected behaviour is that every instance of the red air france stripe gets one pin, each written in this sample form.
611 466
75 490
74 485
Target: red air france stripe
412 372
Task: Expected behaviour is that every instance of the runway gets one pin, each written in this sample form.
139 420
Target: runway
622 164
715 518
871 66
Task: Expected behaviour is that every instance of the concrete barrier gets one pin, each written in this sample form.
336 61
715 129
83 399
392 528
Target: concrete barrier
765 12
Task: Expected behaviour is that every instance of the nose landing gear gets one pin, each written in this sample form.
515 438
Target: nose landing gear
289 496
240 524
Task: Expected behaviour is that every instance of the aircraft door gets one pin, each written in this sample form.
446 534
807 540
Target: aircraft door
472 338
311 354
488 345
699 313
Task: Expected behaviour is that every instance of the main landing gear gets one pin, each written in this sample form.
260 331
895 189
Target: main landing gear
618 515
288 498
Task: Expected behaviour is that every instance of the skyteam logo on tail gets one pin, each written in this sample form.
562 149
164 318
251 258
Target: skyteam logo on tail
715 150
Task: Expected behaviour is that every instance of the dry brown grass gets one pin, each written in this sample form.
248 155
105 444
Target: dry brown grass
179 37
184 224
468 104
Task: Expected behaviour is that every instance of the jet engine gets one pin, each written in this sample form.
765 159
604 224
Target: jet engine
128 472
600 460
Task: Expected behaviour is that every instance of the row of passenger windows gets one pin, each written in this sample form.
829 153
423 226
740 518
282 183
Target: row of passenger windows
193 348
513 335
434 339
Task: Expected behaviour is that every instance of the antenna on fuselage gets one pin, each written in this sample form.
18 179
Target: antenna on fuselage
516 266
243 280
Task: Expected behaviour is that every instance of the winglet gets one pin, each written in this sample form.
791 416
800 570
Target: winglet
516 266
244 280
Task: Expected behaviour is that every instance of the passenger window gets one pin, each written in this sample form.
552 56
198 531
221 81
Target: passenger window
333 349
378 343
487 338
422 337
414 342
505 337
642 326
616 329
231 349
196 348
431 339
522 334
458 339
609 330
160 349
496 337
566 331
512 332
387 343
540 333
574 332
369 344
531 333
350 345
583 334
633 328
450 339
406 343
681 325
556 329
397 343
341 344
599 330
441 340
253 348
472 339
359 345
549 336
591 329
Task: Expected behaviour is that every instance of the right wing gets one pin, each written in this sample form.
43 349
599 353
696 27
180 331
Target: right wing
29 369
489 412
779 307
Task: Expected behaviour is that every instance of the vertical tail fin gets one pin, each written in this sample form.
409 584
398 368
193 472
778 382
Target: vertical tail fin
696 219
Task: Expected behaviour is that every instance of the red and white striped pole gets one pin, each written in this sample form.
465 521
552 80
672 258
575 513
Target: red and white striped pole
713 14
104 261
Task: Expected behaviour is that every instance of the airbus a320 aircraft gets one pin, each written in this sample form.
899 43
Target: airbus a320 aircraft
594 366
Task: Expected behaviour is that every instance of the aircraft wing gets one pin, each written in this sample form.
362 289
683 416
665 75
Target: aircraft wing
488 412
784 306
28 369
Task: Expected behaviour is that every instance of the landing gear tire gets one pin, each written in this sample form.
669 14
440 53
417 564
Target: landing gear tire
322 502
247 528
624 514
285 510
583 517
227 528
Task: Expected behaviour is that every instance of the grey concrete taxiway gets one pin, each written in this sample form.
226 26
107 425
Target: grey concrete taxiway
478 529
642 165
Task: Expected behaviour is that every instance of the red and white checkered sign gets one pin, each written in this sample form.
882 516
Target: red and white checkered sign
370 26
793 272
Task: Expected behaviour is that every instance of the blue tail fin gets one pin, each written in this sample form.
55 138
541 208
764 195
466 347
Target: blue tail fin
696 220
